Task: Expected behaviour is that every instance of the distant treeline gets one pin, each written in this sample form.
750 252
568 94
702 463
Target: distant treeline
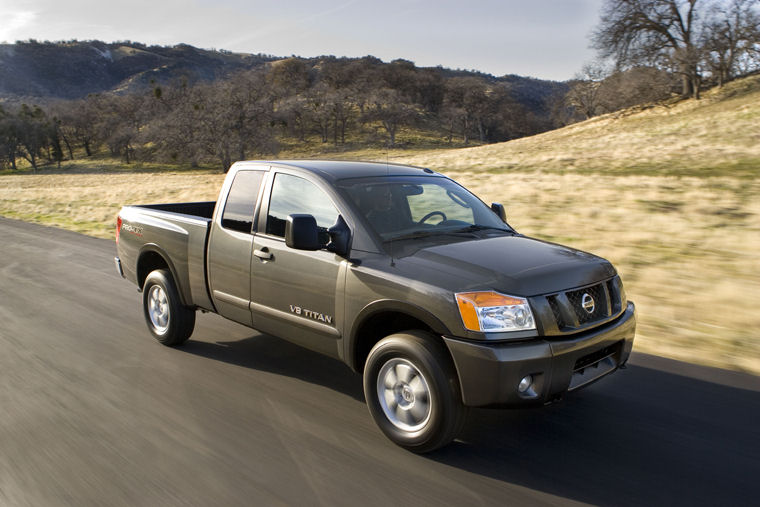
361 102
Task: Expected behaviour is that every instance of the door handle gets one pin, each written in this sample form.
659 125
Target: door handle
263 254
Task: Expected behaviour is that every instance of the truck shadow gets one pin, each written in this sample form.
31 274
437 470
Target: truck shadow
266 353
642 437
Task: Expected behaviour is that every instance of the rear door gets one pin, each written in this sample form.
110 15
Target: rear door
230 245
296 294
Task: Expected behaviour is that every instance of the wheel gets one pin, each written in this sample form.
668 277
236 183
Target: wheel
412 391
169 321
431 215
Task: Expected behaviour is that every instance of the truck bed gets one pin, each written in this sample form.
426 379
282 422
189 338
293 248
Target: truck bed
178 230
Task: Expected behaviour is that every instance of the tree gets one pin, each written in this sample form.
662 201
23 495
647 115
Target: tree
585 95
235 117
119 124
597 90
469 96
391 109
172 126
731 38
32 134
320 111
653 32
9 138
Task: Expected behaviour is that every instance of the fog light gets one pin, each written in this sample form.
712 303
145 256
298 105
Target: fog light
525 384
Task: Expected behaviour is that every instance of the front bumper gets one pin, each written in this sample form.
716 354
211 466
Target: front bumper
489 373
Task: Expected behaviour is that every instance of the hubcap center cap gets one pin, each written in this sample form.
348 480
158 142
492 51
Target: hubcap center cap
407 393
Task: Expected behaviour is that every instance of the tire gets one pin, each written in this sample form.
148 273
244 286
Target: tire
168 320
412 391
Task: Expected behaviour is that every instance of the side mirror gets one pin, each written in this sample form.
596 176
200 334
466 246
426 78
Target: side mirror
498 208
340 238
301 232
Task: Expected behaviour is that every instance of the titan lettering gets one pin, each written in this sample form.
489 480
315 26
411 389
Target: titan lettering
309 314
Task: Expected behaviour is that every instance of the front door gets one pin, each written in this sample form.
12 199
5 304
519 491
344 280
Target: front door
297 294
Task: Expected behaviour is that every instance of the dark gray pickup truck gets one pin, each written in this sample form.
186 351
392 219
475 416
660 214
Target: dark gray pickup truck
397 271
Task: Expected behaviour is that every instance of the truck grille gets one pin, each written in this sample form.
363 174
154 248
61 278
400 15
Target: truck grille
597 295
580 308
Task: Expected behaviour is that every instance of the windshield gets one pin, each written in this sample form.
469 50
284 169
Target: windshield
399 207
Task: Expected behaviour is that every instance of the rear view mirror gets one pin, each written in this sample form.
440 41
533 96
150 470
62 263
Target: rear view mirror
498 208
301 232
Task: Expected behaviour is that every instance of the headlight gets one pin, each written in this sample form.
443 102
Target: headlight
494 312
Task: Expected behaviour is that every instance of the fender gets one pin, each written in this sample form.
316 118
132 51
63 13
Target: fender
154 248
389 305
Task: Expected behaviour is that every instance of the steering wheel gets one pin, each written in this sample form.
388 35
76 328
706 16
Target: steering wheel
430 215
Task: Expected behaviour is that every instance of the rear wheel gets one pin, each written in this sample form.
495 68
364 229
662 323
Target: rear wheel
168 320
412 391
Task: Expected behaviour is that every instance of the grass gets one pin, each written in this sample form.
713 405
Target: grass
678 215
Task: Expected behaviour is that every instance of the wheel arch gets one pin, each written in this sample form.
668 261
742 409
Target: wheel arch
154 257
385 317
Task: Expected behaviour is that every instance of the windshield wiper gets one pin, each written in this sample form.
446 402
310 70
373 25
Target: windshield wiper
443 232
478 227
417 234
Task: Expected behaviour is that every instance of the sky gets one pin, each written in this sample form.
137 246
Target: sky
547 39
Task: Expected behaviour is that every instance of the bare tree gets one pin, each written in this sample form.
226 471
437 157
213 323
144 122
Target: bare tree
731 38
235 117
586 90
320 109
469 96
655 33
391 109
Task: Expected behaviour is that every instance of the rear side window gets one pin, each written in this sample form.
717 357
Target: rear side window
290 195
241 202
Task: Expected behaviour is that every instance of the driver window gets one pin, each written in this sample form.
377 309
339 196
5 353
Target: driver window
291 194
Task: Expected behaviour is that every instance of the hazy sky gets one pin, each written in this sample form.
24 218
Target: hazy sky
541 38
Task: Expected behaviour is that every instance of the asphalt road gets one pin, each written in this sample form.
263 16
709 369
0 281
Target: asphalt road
93 411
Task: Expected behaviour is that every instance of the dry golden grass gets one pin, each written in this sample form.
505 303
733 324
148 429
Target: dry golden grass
89 203
678 214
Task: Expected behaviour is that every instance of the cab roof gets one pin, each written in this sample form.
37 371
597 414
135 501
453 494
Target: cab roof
334 170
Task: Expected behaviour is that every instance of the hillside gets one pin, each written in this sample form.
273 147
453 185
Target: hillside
35 71
718 135
69 70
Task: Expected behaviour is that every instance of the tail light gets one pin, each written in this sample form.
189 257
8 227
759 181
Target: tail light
118 227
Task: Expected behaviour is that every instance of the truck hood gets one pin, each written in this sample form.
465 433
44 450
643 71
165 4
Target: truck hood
516 265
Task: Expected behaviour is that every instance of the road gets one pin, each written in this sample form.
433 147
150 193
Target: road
93 411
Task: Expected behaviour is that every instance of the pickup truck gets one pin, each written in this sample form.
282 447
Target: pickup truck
397 271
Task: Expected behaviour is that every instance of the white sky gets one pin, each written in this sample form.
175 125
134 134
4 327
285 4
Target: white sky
541 38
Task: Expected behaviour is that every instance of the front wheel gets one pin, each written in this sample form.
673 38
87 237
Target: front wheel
168 320
412 391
